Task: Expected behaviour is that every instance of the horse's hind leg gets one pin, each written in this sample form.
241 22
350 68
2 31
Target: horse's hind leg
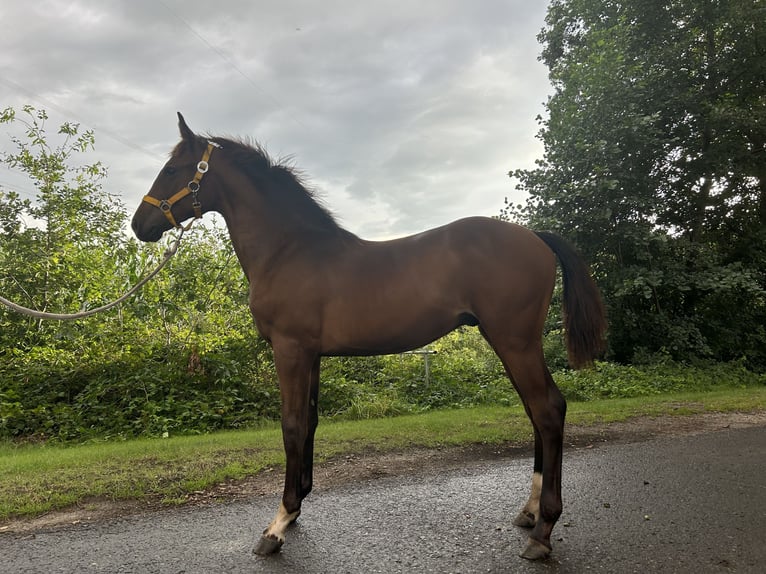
527 517
546 408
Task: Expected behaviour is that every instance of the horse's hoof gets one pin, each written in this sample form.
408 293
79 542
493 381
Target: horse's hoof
268 545
536 550
525 520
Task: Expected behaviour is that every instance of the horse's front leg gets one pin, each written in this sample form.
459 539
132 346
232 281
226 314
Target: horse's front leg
298 372
307 472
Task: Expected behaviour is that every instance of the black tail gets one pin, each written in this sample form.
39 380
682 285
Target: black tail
584 315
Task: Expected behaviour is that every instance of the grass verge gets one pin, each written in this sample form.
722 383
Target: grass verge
39 478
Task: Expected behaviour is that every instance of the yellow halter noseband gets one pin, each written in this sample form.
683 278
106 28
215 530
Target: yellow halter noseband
192 188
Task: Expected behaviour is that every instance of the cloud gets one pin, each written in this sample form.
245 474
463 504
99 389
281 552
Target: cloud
404 114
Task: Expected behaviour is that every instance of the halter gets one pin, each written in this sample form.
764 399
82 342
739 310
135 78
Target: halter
192 188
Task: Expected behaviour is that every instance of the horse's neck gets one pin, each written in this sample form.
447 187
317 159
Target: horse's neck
254 237
261 238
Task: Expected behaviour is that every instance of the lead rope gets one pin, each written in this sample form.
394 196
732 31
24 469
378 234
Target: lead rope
169 252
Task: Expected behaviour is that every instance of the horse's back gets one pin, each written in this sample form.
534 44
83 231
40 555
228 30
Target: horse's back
500 252
403 293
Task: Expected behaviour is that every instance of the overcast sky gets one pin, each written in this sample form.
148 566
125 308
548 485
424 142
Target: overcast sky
404 114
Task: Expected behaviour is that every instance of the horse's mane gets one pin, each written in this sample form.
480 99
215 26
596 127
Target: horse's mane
279 182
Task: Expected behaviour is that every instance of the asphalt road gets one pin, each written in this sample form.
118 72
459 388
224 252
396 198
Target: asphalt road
674 504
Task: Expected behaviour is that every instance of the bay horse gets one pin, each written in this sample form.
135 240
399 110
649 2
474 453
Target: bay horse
318 290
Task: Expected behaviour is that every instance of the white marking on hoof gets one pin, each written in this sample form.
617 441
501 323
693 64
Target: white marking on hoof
275 532
530 514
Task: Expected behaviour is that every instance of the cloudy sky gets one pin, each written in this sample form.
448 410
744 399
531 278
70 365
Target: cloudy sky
405 114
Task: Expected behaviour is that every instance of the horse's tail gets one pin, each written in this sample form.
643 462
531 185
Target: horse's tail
584 315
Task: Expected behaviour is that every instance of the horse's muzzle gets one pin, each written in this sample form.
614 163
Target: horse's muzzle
149 234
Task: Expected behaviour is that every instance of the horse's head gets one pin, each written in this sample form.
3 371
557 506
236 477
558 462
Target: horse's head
174 196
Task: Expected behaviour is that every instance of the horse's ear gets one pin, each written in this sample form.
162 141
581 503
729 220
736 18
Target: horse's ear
186 133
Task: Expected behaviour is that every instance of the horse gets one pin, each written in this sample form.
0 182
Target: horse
316 289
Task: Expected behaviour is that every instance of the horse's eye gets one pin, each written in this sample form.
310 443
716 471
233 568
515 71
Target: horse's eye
169 170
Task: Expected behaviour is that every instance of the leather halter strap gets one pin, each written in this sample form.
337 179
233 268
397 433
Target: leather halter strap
192 188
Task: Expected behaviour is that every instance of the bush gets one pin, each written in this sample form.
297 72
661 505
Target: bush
610 380
153 387
150 391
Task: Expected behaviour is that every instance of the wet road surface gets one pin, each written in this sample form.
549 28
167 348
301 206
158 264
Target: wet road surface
675 504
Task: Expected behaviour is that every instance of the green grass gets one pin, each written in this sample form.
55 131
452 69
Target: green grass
38 478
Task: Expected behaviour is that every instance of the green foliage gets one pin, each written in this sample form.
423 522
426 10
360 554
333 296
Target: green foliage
182 356
462 371
70 251
52 393
654 166
610 381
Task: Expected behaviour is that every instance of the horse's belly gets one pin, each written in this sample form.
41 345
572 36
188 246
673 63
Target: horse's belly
381 332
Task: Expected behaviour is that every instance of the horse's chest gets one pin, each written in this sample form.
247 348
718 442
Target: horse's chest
285 312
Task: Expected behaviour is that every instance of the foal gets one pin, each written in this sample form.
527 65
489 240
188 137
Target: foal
318 290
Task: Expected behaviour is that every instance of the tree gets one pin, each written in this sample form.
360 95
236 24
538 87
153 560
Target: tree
62 249
655 165
180 355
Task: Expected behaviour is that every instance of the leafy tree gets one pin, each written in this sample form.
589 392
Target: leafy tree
63 248
655 165
182 355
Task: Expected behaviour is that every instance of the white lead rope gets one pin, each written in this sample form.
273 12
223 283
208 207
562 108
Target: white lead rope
171 250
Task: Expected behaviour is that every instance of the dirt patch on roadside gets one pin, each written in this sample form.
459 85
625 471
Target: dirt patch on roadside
369 466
